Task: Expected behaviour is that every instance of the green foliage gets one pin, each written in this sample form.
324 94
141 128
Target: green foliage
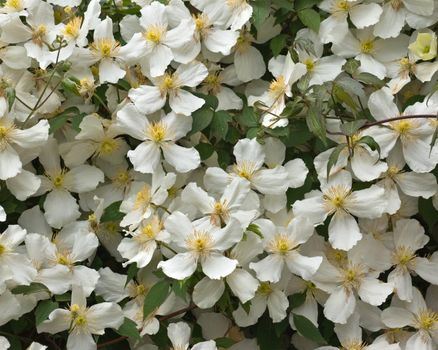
155 297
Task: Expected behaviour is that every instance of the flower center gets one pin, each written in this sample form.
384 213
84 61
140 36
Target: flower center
426 320
404 257
201 22
244 41
310 65
352 276
264 288
354 345
280 244
213 82
396 4
157 131
148 231
154 34
64 259
78 316
245 169
38 34
343 5
200 242
16 5
2 249
143 197
106 47
121 178
335 197
108 146
367 46
220 214
392 171
73 26
403 126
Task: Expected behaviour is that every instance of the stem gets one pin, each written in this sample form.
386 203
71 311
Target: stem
168 247
37 104
101 102
23 103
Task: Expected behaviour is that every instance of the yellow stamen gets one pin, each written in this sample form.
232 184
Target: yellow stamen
143 197
200 242
264 289
367 46
106 47
154 34
426 320
278 86
245 169
73 27
157 131
108 146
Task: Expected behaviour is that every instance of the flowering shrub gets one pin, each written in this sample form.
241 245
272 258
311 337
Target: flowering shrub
218 174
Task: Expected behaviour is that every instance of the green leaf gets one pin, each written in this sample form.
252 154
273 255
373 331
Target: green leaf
155 297
10 97
307 329
211 101
205 150
76 121
70 84
284 4
305 4
369 79
297 299
132 272
351 66
310 18
112 212
350 128
43 310
247 117
278 43
255 229
316 123
298 134
201 119
129 329
261 9
333 159
343 97
219 125
30 289
368 140
58 121
224 342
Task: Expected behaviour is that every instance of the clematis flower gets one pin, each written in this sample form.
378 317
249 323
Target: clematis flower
150 99
158 136
337 198
282 245
179 335
82 321
202 244
425 46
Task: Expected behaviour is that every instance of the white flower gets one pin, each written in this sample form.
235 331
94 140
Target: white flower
82 321
202 244
286 72
158 136
282 245
338 198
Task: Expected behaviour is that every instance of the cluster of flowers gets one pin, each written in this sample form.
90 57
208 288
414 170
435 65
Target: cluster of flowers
110 200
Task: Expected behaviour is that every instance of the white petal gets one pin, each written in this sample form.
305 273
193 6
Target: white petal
340 305
418 154
180 266
277 305
83 178
417 185
145 157
10 164
366 165
83 341
271 181
32 137
110 71
181 158
130 121
249 64
179 334
242 284
221 41
269 268
373 291
147 99
159 60
23 185
59 320
358 202
364 15
184 102
191 74
333 29
302 265
60 208
427 269
105 315
391 22
207 292
216 265
343 231
396 317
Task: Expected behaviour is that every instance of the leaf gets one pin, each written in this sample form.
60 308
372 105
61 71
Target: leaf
224 342
350 128
316 123
307 329
305 4
211 101
368 140
219 125
129 329
284 4
255 229
132 272
112 213
368 78
310 18
297 299
30 289
334 156
205 150
43 310
58 121
155 297
10 97
260 12
343 97
201 119
247 117
277 44
351 66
